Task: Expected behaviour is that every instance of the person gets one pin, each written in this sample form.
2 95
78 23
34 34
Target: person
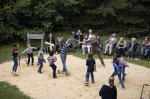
50 42
59 42
145 47
86 45
78 37
117 70
40 60
95 48
108 91
122 63
63 54
110 43
30 54
51 58
100 41
89 35
121 46
91 67
132 47
15 54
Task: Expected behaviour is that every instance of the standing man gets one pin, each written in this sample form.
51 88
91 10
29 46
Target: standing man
79 37
108 91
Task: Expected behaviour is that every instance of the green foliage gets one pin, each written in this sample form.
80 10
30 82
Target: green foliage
18 17
8 91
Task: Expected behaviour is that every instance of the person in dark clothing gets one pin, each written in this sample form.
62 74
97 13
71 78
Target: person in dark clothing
91 66
132 48
50 42
108 91
14 57
78 37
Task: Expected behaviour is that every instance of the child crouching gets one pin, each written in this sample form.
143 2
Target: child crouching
51 58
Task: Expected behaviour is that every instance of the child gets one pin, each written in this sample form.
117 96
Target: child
95 48
122 63
29 53
117 70
51 58
40 60
14 57
91 66
63 54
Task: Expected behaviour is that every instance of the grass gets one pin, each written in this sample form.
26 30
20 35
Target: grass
8 91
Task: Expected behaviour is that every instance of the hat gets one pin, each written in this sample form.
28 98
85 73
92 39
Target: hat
111 80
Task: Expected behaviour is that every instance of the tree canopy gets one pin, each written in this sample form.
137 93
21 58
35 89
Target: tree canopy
125 17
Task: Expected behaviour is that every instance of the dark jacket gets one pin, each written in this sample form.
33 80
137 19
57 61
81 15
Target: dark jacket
76 36
53 40
107 93
134 46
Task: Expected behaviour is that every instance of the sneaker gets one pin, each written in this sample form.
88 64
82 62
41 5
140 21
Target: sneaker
83 53
86 84
15 74
39 72
104 52
62 71
54 77
56 52
93 81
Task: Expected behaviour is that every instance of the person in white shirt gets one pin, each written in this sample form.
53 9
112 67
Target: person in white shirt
29 53
86 45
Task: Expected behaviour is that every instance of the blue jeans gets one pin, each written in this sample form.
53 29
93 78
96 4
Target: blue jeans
119 77
144 52
123 73
63 59
87 76
15 64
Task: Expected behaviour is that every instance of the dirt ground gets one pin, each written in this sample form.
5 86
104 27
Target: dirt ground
43 86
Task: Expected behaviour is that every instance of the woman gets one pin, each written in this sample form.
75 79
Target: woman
132 47
110 43
50 42
145 47
59 42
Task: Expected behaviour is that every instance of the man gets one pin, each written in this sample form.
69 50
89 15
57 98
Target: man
108 91
86 45
121 46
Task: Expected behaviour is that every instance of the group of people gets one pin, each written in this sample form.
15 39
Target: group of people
94 44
